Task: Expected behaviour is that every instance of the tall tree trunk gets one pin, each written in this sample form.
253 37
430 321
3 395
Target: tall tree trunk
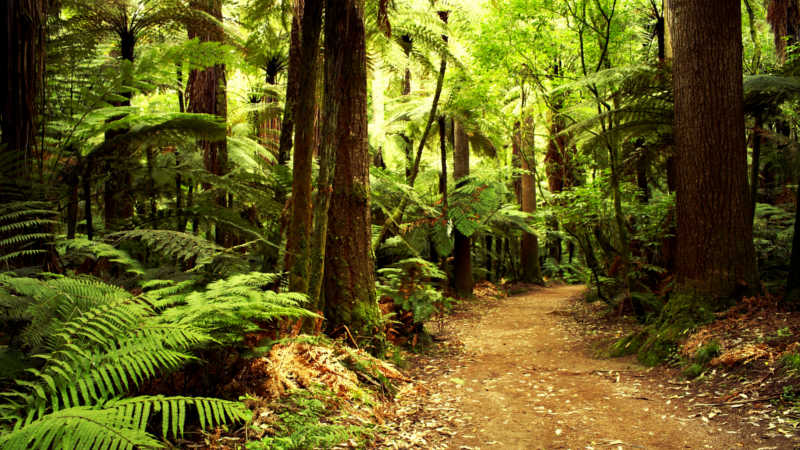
784 18
180 220
72 180
287 122
207 94
86 184
489 258
529 245
793 282
408 144
755 65
715 253
462 250
21 82
299 232
443 157
118 191
349 266
557 160
755 168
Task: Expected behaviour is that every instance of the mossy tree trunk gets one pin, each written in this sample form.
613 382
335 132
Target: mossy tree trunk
349 281
298 234
462 250
207 94
715 253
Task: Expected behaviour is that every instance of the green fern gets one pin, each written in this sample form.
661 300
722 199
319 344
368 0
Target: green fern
24 229
232 307
121 423
97 250
92 344
183 247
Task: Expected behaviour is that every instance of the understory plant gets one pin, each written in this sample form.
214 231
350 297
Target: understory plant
80 351
410 286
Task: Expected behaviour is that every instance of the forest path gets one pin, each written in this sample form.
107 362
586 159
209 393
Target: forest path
523 381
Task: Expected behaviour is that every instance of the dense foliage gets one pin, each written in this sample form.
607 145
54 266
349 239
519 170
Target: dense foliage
154 216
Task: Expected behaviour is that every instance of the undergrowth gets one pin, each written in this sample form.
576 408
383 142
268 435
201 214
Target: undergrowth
312 418
701 358
658 341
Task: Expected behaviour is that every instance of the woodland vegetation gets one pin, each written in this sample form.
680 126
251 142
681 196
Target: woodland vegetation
188 183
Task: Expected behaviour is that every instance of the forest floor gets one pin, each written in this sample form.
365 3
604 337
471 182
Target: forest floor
522 372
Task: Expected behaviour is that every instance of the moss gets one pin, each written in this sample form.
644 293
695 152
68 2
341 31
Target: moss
706 353
693 371
628 345
658 341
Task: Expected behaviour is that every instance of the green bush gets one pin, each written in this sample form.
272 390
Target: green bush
308 419
409 284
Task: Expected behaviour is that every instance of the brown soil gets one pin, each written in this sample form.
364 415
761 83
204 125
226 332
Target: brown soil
514 375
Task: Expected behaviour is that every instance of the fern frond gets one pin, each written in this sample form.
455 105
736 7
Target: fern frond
232 307
184 247
211 412
79 428
97 250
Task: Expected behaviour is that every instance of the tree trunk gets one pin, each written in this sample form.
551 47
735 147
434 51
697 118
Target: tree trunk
207 94
793 282
755 168
462 251
529 245
86 182
408 144
287 122
298 234
784 18
715 253
179 218
20 82
349 266
118 191
489 257
72 180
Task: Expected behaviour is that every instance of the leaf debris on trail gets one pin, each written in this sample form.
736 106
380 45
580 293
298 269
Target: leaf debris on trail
518 373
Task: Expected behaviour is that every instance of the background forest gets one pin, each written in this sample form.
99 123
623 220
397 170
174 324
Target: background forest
186 183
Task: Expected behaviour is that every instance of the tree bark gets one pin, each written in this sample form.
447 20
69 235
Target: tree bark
715 253
349 266
755 168
793 282
529 245
784 18
298 234
462 250
287 122
118 191
207 94
20 82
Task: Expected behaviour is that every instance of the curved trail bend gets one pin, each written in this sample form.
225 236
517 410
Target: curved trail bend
525 382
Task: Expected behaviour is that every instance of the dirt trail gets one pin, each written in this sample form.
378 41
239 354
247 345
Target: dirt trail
525 382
